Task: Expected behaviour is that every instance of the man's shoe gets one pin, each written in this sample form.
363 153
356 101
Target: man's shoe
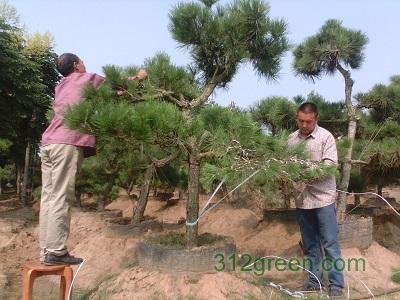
66 259
335 293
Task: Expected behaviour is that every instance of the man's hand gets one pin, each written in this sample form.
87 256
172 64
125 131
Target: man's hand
142 74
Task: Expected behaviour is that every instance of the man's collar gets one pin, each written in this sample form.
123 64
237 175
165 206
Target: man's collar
312 134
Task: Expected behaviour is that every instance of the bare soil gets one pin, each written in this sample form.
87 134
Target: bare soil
111 270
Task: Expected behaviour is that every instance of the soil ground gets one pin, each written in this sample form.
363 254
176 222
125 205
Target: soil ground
111 270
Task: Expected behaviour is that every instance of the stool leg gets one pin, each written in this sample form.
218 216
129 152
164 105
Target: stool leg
29 277
62 288
68 275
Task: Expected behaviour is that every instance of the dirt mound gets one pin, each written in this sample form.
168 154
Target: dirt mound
388 235
138 283
111 267
3 283
124 203
104 256
375 265
237 223
18 244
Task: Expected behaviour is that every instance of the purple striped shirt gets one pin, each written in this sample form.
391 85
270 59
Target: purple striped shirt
69 92
322 148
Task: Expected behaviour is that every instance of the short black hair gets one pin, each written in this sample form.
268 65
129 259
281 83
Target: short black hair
308 108
65 63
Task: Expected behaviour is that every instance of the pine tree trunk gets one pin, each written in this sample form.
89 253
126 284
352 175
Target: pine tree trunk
78 196
130 188
379 189
102 200
155 191
24 195
345 174
357 200
18 180
351 133
1 190
138 213
180 193
192 204
286 195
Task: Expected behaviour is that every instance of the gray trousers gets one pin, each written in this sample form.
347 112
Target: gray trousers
60 165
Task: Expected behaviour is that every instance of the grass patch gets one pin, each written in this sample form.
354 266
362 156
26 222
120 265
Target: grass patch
395 275
250 296
100 294
261 281
81 295
130 263
176 239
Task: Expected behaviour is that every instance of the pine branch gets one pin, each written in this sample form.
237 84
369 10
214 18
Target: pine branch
158 163
359 162
207 154
181 102
121 91
343 71
183 146
209 89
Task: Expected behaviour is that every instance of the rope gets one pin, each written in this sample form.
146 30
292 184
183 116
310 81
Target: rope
204 210
348 291
379 196
73 280
300 294
373 137
362 282
294 294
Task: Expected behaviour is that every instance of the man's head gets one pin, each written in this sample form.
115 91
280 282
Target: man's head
307 118
69 63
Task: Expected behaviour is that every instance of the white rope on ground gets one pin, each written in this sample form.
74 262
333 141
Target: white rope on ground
204 210
295 294
73 280
348 291
369 291
367 288
270 295
379 196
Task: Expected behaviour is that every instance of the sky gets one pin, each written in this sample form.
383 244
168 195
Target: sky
126 32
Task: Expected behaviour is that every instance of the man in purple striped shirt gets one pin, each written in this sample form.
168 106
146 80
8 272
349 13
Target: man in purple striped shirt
315 204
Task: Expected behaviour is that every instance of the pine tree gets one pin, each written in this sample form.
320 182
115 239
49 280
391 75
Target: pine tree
170 111
131 133
381 148
276 114
220 39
